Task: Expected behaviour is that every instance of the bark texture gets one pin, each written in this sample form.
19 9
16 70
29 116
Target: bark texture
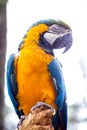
39 118
2 59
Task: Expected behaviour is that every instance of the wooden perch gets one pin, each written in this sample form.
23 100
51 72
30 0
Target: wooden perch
40 118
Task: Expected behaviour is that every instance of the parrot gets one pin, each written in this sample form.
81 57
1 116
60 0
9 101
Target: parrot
35 74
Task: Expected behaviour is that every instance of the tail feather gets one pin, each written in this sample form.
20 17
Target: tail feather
60 119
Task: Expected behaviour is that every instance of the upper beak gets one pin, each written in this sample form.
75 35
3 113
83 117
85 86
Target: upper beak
58 41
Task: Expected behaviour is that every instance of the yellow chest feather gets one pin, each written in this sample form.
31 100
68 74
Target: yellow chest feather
33 78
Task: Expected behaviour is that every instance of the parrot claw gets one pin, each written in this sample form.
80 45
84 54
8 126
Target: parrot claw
20 121
43 106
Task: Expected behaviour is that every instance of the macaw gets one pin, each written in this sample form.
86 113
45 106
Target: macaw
35 74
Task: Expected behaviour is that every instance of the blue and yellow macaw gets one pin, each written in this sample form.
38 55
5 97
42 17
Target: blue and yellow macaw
35 75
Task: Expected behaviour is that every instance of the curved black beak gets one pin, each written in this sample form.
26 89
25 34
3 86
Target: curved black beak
58 37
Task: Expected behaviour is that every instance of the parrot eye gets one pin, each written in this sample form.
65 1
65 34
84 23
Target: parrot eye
54 28
57 29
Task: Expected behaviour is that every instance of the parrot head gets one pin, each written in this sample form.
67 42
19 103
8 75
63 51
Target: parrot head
57 35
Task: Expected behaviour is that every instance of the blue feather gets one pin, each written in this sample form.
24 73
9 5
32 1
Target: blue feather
60 118
11 82
63 116
56 73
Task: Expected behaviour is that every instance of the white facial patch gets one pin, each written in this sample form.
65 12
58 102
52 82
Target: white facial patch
50 37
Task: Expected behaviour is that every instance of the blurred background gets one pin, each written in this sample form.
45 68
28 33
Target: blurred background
15 19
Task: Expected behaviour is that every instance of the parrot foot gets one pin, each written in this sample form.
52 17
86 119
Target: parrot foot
20 121
42 106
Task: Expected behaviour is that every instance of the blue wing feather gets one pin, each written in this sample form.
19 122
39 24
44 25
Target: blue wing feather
60 118
11 82
56 73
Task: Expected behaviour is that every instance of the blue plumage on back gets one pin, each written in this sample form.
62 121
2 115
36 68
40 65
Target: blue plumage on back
11 82
60 118
56 73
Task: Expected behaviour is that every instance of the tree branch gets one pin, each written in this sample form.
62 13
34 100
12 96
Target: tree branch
39 118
